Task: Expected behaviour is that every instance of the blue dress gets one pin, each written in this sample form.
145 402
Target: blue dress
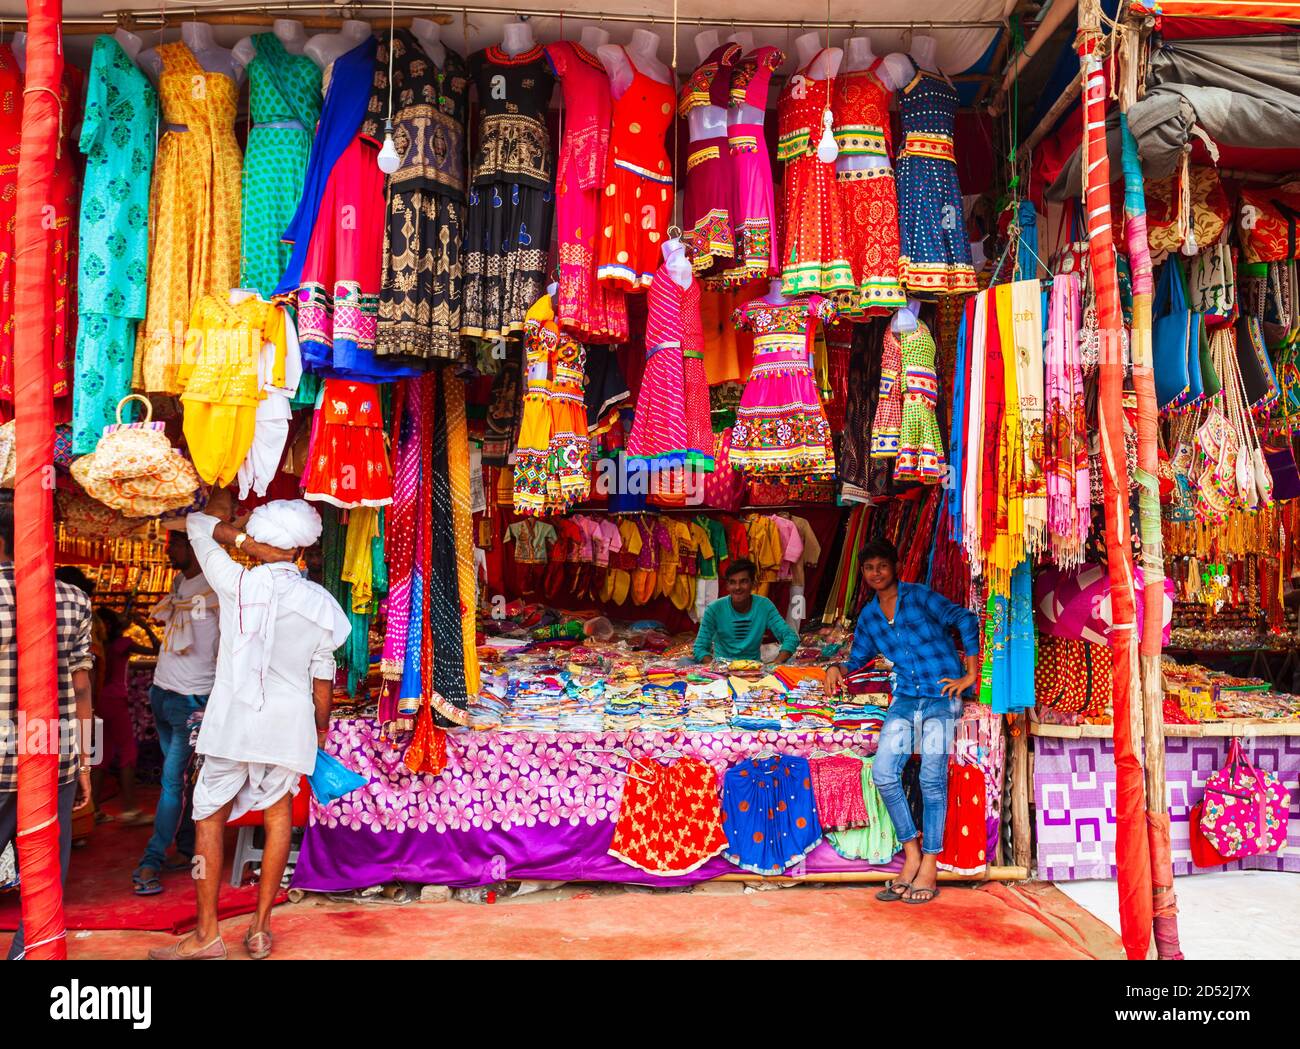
935 258
769 813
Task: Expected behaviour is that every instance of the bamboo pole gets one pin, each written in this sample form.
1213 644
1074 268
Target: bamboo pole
1019 873
1020 832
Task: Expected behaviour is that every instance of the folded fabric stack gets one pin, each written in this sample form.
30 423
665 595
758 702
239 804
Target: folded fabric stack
709 706
758 706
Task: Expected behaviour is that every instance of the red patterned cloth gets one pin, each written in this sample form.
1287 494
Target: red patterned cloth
670 821
965 834
837 790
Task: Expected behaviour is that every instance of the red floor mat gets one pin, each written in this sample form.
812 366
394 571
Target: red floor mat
98 893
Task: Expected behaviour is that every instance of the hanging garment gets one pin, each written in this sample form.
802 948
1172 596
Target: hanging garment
118 137
769 813
839 348
420 292
753 206
709 235
965 832
813 245
279 376
536 490
669 821
606 392
920 443
935 255
837 788
876 842
511 200
349 463
569 449
284 104
888 422
868 196
592 311
670 427
193 211
637 204
780 427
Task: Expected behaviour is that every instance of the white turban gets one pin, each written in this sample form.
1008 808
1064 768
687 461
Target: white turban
285 523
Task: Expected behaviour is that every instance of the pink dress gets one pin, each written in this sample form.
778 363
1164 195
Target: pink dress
753 214
780 428
591 311
670 426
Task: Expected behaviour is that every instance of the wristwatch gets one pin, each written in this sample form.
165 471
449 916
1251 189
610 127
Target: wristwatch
240 539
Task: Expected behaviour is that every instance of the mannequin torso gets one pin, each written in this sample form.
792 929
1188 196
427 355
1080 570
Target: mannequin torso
198 37
774 296
290 33
705 44
744 38
643 51
906 319
430 36
594 38
858 54
129 42
516 38
709 121
324 48
817 62
679 266
861 57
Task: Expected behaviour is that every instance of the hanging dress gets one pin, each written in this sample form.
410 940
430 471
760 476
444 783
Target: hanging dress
671 423
669 821
536 490
769 813
568 447
592 311
284 101
637 204
512 200
709 233
781 428
349 461
753 215
118 137
935 254
813 247
868 196
920 443
193 211
420 297
888 420
63 197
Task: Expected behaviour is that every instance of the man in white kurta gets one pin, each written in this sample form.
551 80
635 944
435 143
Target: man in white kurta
269 706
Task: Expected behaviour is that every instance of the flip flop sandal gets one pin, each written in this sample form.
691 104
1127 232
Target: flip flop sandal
890 892
934 895
146 886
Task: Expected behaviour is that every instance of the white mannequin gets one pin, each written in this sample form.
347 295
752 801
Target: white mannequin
19 46
706 122
679 266
906 319
430 36
129 42
198 37
644 51
324 48
705 44
774 296
924 51
516 38
744 38
859 55
290 33
594 38
806 48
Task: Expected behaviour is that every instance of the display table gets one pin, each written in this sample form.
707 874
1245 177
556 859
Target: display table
529 806
1074 792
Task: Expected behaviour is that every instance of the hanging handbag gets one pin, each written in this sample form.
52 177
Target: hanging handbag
1175 340
1211 288
1269 222
1282 468
1257 374
1245 811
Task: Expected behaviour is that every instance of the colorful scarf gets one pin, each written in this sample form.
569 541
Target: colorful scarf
1066 438
399 549
1027 325
972 521
957 432
992 445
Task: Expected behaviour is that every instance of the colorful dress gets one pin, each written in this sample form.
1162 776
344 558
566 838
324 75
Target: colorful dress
193 211
348 465
671 425
420 294
284 99
637 204
769 814
780 426
669 821
536 489
569 449
709 234
813 248
888 420
868 196
117 137
935 254
837 789
753 209
512 201
920 444
593 311
876 842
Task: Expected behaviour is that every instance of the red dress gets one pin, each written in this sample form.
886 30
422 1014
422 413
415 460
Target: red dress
637 204
348 463
868 196
965 831
672 824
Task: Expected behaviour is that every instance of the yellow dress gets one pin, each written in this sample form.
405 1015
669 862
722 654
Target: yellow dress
193 212
221 376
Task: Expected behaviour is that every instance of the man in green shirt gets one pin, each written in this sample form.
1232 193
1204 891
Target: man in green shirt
733 627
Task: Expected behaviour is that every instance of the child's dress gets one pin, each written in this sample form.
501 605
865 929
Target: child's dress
920 444
348 465
780 426
709 235
536 493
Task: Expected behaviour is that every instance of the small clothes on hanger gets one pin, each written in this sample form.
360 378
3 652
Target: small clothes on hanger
837 788
769 813
672 824
348 464
876 842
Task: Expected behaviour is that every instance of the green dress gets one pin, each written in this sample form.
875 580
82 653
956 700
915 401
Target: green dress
117 137
284 101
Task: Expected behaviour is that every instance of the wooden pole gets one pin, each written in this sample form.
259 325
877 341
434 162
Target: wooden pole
1020 790
870 877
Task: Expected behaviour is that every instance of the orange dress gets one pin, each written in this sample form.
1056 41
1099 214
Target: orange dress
637 204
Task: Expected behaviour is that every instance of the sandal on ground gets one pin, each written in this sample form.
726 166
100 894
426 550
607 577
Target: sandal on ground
258 944
934 894
142 886
891 892
212 952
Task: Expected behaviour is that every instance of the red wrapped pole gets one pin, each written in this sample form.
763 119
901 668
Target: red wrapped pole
1132 852
38 681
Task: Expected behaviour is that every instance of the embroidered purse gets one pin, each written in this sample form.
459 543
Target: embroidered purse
1245 811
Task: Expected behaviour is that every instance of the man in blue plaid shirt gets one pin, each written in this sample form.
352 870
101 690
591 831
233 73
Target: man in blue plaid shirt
912 626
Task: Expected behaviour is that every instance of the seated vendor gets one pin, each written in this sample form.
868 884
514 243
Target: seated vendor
733 627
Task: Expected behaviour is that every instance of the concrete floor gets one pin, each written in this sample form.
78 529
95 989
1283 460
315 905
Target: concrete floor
723 921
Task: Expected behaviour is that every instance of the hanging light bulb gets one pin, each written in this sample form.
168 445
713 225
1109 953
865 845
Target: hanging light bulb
827 149
389 161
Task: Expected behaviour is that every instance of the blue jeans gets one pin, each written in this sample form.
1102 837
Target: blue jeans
929 721
170 712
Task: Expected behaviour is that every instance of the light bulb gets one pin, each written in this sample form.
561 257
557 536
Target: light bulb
389 161
827 150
